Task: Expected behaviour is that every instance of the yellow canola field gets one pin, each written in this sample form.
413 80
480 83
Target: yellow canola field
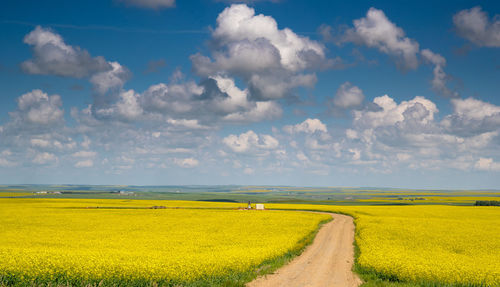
51 240
426 243
433 199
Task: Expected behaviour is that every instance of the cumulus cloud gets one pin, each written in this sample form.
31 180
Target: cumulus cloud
248 1
174 99
276 86
407 133
472 116
53 142
150 4
356 154
216 99
84 154
185 124
38 108
238 24
377 31
45 158
52 56
42 143
249 170
85 163
6 163
4 159
308 126
250 141
186 162
440 77
474 25
258 112
127 108
474 109
418 110
252 47
487 164
112 79
348 96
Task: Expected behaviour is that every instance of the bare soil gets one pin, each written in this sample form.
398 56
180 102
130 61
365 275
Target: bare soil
326 262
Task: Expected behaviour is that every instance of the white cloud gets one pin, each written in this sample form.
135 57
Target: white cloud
351 134
175 98
189 124
6 163
236 98
86 142
302 157
250 141
238 24
187 162
433 58
36 107
377 31
252 47
6 153
112 79
85 163
128 106
248 1
260 111
348 96
478 142
85 154
474 109
43 143
44 158
403 156
356 154
248 170
472 116
314 144
51 56
308 126
276 86
408 134
418 111
215 99
150 4
474 25
440 77
487 164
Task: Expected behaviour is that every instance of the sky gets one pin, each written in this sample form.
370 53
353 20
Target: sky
307 93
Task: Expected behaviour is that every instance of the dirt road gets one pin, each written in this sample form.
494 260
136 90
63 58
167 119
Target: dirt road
326 262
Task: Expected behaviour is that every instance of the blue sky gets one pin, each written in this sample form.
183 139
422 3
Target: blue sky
148 92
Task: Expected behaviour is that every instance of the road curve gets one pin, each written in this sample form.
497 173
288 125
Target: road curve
326 262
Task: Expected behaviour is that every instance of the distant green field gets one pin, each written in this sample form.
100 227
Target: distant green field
266 194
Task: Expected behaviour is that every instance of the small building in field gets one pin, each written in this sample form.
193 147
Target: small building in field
259 206
124 192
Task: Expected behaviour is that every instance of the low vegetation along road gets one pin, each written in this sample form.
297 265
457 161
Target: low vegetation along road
326 262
